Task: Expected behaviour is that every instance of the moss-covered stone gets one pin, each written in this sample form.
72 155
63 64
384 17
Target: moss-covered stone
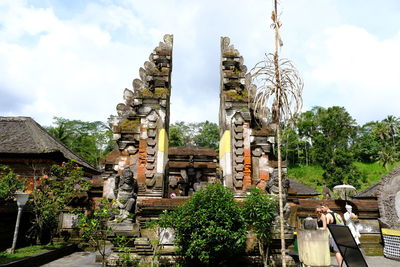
158 93
231 53
233 95
129 126
264 131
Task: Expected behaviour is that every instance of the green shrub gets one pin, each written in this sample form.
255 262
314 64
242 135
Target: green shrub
9 183
209 227
259 211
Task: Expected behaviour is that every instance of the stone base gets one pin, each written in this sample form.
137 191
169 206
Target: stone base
126 228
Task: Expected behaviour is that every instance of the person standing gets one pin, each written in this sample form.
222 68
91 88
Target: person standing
349 218
330 219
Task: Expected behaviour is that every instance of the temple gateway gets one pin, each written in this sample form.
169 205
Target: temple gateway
165 176
140 131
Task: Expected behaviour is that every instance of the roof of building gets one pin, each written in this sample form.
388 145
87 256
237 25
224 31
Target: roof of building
370 192
301 189
23 135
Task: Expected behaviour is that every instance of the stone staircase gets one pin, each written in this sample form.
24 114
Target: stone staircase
142 246
156 192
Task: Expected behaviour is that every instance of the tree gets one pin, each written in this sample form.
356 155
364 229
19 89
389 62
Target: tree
90 140
393 124
203 134
95 229
387 156
208 135
278 98
51 195
259 211
175 136
366 145
9 183
332 145
209 228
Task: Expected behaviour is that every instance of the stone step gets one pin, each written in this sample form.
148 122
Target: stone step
144 247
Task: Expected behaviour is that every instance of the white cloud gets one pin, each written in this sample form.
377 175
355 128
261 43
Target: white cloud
361 70
76 64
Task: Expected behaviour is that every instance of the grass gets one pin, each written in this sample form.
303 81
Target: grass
373 172
27 251
312 175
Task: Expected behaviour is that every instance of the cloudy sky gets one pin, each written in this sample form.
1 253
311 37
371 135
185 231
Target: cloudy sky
73 58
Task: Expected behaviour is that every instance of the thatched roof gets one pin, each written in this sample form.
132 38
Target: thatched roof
23 135
297 188
370 192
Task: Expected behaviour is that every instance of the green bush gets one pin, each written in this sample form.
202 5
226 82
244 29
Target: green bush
259 211
209 227
9 183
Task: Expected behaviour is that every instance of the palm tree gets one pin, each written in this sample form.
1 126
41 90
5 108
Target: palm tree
393 124
278 97
61 132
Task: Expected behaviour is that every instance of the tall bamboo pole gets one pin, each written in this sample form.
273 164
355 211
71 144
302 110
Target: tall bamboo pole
278 107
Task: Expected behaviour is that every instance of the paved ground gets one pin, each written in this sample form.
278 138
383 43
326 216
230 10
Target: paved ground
378 261
76 259
82 259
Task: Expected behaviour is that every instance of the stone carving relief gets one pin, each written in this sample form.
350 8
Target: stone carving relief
388 200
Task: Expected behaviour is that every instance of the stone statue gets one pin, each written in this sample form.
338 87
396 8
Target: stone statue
350 218
126 190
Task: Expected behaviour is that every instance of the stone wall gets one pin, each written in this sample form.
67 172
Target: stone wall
190 169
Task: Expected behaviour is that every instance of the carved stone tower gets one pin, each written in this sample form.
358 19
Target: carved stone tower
246 144
141 127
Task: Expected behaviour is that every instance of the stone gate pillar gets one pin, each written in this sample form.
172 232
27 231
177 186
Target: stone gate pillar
234 119
247 140
141 127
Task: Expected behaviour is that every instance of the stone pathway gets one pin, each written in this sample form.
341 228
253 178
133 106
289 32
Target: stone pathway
76 259
81 258
87 259
378 261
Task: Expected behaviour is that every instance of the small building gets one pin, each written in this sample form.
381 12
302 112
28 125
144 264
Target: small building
30 151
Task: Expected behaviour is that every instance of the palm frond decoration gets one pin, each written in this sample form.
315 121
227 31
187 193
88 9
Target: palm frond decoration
279 99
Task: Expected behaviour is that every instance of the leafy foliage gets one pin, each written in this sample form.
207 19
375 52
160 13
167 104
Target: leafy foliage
209 227
125 258
90 140
203 134
325 137
259 211
9 183
95 229
51 195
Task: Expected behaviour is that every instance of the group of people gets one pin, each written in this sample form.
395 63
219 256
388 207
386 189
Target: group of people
326 216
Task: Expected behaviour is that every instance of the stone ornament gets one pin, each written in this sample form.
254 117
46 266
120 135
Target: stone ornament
389 200
126 190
